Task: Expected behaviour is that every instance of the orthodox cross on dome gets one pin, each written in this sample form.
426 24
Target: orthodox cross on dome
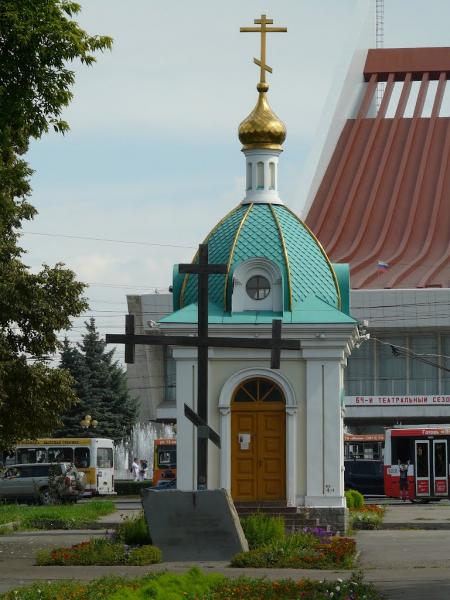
263 29
202 341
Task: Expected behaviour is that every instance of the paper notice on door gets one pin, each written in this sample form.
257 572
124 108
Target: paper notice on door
244 441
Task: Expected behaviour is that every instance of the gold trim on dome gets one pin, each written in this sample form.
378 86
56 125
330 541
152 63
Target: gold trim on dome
286 257
321 248
233 247
264 146
213 230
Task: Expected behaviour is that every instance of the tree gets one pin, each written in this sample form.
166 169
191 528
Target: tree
37 39
101 386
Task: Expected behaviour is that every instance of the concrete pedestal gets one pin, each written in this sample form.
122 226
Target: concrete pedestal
199 525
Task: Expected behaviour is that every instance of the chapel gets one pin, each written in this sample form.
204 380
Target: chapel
281 429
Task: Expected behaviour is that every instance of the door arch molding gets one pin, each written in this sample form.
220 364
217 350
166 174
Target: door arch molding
291 408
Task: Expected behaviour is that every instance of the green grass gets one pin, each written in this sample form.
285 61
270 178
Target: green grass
195 584
67 516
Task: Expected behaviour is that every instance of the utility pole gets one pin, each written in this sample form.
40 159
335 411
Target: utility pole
379 42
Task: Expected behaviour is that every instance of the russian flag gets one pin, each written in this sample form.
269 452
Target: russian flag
382 266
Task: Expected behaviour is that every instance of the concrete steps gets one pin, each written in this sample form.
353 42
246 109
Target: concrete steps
294 517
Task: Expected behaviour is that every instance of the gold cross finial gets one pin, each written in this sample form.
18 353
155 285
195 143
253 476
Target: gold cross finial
263 29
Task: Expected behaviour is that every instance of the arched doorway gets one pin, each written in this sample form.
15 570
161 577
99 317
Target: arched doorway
258 441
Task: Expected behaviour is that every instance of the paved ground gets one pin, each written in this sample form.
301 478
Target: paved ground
403 563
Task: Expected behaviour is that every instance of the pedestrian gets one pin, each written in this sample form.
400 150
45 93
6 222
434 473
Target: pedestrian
404 480
142 469
135 468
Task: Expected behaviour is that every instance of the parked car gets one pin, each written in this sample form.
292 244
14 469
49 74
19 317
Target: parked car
42 482
366 476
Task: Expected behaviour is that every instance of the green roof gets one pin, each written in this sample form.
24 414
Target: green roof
273 232
311 311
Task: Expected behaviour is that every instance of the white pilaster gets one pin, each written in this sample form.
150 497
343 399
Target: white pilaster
225 454
291 455
186 379
324 476
314 431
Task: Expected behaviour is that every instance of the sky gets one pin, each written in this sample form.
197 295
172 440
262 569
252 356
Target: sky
152 159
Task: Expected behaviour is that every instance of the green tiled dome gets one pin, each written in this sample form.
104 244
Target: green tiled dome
272 232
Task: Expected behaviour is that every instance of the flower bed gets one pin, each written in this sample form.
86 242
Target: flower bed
369 516
309 549
195 584
101 551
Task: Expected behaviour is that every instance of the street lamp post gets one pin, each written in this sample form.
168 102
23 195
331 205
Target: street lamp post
88 421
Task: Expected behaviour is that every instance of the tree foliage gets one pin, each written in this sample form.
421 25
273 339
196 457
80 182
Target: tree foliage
101 386
38 38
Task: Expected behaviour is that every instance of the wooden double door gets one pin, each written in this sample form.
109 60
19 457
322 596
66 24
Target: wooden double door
258 449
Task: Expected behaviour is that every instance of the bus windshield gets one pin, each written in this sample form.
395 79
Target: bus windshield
167 456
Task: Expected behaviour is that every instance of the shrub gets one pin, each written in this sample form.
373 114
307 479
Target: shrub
131 488
134 531
144 555
261 529
349 499
354 499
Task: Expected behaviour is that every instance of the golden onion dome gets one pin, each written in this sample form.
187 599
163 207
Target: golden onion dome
262 128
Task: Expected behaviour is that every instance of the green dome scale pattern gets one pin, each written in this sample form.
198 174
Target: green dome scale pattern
275 233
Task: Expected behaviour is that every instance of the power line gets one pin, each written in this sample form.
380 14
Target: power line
135 287
95 239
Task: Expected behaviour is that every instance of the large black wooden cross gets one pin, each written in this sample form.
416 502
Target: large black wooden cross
200 419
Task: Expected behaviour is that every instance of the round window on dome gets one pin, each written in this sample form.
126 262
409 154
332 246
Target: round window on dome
258 287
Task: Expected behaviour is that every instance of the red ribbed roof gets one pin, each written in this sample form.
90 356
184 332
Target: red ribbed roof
385 196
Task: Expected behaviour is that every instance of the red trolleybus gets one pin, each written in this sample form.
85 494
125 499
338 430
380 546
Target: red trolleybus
426 449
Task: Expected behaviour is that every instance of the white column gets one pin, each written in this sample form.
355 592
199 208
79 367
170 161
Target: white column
225 450
291 455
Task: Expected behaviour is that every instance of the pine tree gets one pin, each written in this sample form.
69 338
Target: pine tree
101 387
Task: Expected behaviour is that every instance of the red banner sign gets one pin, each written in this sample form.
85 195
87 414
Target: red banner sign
440 486
422 487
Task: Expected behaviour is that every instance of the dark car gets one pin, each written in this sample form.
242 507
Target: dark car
170 484
366 476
